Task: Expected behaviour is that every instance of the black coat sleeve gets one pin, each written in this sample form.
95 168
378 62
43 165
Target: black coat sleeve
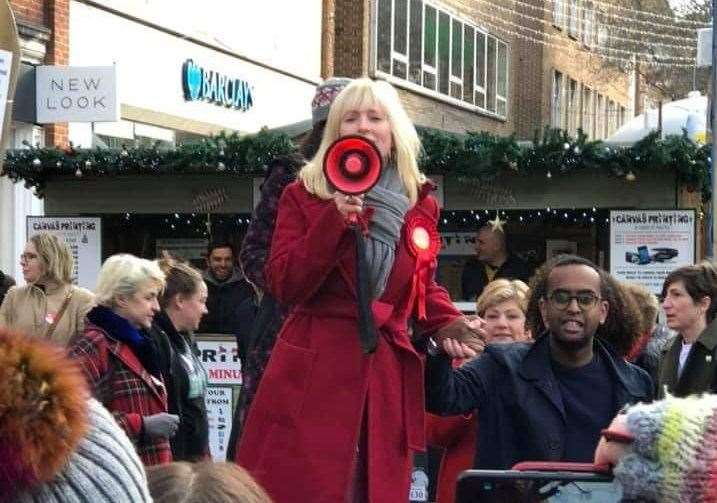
456 391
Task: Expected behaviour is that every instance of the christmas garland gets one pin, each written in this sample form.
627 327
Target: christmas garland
480 156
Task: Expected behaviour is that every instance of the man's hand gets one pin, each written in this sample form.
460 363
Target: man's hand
458 350
467 331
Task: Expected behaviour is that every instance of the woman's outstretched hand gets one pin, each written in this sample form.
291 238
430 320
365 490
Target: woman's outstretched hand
463 336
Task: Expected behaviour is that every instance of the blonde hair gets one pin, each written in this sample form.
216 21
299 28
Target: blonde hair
55 256
203 482
123 275
180 279
646 302
502 290
406 144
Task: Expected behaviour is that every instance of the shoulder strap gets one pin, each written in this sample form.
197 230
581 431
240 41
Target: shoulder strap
51 329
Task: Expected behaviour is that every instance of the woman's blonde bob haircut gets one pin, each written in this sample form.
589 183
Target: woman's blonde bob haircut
55 256
203 482
121 276
502 290
406 147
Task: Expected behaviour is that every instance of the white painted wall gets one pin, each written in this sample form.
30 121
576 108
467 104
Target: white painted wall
283 33
16 203
149 62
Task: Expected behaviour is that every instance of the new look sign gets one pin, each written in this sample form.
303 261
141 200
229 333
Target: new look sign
76 94
201 84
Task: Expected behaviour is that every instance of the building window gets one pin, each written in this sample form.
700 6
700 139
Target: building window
556 100
559 13
574 19
611 117
587 114
419 43
588 16
573 109
621 119
600 118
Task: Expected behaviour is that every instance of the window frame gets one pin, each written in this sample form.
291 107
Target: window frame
434 92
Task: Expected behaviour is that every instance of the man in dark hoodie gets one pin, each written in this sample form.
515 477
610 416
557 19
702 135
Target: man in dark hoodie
231 298
5 283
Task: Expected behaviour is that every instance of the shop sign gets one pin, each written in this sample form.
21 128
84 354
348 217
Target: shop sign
202 84
84 237
76 94
220 357
646 245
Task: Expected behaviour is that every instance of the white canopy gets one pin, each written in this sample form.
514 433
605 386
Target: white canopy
689 113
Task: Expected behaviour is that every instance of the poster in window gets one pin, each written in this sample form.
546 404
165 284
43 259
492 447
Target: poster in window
219 403
84 237
646 245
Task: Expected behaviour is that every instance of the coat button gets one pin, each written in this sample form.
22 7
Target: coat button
554 445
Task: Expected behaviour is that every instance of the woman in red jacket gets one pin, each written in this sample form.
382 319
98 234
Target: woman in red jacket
502 305
330 422
121 361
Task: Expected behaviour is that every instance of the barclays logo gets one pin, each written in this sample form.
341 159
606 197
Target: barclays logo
201 84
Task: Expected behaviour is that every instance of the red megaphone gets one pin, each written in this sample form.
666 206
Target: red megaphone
353 165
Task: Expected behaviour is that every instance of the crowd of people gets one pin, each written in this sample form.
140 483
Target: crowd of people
102 393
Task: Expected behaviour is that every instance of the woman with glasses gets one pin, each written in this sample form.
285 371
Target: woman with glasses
689 365
49 305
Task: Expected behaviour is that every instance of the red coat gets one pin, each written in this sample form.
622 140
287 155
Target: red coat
119 381
303 428
458 436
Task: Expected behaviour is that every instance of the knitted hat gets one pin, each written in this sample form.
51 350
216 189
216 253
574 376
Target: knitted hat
674 455
325 95
56 444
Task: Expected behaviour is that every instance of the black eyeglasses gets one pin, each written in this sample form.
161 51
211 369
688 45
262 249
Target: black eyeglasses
561 299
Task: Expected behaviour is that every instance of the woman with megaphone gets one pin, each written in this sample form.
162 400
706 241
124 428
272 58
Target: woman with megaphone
339 411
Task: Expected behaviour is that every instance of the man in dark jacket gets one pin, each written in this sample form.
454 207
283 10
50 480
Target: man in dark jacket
547 401
5 283
231 298
493 260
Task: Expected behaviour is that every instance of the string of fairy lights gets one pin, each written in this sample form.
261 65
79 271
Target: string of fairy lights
645 40
194 225
538 36
646 36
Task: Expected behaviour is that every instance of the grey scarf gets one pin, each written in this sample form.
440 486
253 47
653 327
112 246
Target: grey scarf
390 203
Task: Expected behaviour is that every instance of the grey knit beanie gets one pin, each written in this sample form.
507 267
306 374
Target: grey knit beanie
56 443
324 96
103 468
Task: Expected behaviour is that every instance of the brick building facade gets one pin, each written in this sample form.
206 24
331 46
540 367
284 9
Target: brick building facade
43 27
515 88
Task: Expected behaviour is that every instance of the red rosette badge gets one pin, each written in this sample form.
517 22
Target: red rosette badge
423 243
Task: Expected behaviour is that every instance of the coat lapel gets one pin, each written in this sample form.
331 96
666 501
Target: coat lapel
536 368
126 356
698 375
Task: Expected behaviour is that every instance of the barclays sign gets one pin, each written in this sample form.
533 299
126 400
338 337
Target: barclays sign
201 84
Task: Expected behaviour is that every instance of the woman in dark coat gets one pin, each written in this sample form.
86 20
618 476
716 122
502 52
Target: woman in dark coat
183 302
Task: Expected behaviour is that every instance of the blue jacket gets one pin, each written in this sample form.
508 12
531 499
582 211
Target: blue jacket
520 409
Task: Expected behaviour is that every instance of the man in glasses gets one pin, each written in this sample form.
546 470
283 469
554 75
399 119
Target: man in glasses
547 401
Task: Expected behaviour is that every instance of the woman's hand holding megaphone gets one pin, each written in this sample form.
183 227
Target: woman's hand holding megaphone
348 206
